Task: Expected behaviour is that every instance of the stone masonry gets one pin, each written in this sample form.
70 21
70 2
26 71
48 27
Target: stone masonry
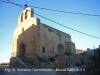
33 39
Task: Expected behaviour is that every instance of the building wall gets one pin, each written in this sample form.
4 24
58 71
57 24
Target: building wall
90 51
25 33
70 47
36 35
49 38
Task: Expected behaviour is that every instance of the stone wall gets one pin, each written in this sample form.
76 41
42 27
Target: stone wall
25 33
16 62
39 39
76 61
50 39
70 47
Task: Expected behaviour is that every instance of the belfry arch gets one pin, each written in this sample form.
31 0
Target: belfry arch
26 14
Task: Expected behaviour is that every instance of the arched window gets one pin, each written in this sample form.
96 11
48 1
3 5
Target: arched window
22 30
23 50
22 17
26 14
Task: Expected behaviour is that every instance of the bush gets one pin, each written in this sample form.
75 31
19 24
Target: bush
83 54
67 53
56 56
4 63
52 59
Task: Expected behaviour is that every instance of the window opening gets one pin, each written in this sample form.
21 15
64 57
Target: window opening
53 49
22 17
43 49
22 30
26 14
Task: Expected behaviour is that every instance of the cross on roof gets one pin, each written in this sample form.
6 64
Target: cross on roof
26 5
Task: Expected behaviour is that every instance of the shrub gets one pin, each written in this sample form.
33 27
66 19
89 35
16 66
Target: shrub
83 54
56 56
52 59
67 53
4 63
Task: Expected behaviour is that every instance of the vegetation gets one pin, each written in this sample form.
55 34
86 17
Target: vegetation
68 53
56 56
5 63
83 54
52 58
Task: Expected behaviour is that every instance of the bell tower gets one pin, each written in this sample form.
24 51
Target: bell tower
25 15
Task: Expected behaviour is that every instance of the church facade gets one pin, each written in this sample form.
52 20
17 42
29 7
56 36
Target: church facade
32 38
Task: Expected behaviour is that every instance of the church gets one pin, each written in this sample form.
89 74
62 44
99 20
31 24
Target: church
33 40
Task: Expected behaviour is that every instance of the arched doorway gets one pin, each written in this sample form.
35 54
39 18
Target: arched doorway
23 50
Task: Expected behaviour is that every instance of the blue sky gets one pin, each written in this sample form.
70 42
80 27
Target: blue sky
88 24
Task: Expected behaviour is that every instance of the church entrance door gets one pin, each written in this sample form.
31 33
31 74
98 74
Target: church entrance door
23 50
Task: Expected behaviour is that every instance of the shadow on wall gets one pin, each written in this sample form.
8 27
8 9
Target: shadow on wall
27 42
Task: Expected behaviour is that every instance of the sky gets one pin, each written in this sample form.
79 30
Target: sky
88 24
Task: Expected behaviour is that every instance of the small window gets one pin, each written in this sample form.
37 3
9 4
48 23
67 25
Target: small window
22 30
65 41
69 37
50 30
53 49
43 49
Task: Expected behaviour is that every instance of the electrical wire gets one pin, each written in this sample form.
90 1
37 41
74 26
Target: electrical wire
65 11
56 10
66 26
10 2
55 21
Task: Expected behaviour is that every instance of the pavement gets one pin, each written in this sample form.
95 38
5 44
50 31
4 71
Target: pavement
6 70
2 72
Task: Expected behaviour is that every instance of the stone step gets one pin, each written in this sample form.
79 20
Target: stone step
26 62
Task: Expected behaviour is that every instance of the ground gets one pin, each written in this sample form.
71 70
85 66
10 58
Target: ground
5 70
